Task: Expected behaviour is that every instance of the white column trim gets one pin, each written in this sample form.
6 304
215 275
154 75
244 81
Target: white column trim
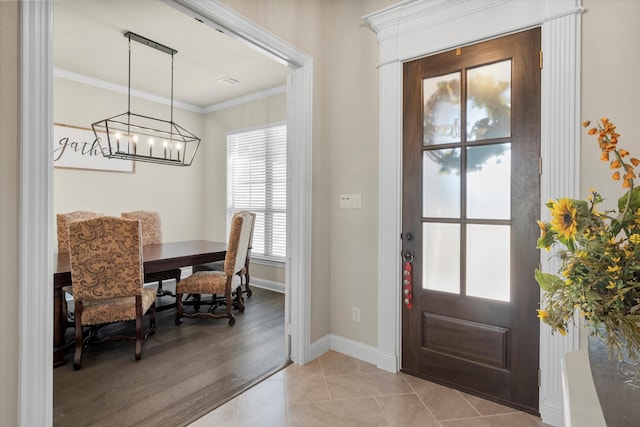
416 28
36 212
36 260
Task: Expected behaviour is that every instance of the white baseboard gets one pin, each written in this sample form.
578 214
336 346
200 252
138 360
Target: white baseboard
551 415
267 284
346 346
320 347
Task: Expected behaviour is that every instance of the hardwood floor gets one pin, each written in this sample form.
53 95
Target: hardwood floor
185 372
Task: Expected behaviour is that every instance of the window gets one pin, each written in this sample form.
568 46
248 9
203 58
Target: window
257 182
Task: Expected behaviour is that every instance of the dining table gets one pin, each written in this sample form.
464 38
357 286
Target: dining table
155 257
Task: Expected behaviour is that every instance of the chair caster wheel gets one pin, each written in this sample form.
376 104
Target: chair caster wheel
178 322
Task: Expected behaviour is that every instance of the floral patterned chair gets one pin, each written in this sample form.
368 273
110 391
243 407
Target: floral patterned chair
244 273
220 282
63 220
151 234
106 277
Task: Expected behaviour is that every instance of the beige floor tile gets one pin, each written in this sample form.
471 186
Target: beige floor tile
443 402
406 410
366 367
223 416
505 420
344 413
264 405
334 363
305 385
487 407
361 385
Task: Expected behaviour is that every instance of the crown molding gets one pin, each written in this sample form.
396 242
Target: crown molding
114 87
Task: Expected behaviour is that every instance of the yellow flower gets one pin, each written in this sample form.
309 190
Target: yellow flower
543 226
542 314
613 268
564 220
635 238
611 285
562 331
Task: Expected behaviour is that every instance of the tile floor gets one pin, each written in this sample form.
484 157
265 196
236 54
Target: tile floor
338 390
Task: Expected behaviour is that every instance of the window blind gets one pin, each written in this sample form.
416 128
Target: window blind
257 182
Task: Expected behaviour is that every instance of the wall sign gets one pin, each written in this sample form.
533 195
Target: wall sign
77 148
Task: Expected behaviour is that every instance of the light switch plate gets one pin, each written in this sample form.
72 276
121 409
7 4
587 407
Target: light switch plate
350 201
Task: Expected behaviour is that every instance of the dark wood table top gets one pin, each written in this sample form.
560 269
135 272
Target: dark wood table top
157 257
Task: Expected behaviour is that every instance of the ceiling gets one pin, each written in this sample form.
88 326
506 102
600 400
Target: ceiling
89 42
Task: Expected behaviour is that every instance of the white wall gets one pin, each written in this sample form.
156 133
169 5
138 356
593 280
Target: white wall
174 192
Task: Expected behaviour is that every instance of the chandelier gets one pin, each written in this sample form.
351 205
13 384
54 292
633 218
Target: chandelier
142 138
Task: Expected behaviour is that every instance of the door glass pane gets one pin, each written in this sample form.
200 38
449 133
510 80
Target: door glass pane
489 181
488 261
441 97
441 257
441 183
489 101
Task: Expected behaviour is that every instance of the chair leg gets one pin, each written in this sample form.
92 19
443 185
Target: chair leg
77 357
138 354
152 320
246 285
240 300
232 319
179 309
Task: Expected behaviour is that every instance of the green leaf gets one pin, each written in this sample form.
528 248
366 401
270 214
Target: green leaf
546 240
548 282
635 200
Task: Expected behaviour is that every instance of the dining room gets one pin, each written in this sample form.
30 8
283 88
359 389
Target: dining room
212 89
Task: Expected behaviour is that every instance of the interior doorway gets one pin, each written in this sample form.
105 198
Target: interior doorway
36 211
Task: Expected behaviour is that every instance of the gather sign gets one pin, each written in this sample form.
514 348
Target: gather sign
77 148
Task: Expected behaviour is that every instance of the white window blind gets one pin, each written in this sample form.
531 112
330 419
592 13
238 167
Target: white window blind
257 182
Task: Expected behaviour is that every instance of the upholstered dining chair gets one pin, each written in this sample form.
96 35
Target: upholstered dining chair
152 233
106 277
63 220
218 283
244 273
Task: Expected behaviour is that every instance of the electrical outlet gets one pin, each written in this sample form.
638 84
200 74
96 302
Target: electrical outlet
355 314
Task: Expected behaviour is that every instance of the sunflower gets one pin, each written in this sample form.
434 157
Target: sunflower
564 220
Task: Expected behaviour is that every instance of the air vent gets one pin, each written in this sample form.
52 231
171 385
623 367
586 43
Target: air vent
229 81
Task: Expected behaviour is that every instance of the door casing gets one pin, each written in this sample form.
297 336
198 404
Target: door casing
412 30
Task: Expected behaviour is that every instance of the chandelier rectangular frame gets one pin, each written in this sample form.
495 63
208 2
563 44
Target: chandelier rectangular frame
137 137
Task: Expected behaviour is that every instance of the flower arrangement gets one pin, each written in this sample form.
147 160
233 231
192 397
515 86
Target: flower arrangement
600 255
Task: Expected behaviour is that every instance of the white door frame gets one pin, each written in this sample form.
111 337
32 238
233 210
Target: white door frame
413 29
36 173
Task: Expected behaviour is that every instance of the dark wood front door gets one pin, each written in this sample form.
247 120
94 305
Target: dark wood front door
471 196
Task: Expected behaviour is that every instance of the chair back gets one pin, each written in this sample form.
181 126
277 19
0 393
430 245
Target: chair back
151 225
64 219
239 241
106 258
